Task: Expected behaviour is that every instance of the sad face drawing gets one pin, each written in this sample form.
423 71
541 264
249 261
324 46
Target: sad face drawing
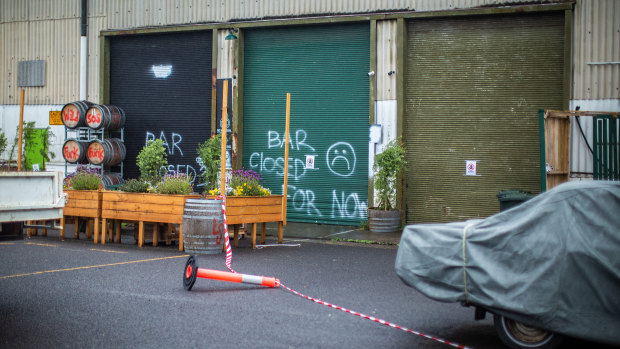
341 159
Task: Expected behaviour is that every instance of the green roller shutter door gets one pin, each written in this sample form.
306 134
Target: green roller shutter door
474 85
325 70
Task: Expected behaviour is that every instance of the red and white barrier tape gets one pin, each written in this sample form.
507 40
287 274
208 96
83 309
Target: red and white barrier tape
318 301
372 318
226 237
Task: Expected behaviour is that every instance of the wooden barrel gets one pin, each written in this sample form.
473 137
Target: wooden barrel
111 179
105 116
203 226
74 114
74 151
108 152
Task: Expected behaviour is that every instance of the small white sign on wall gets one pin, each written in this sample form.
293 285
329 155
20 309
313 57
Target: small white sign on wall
471 167
310 161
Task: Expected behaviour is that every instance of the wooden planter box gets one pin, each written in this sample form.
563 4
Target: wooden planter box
253 210
82 203
143 207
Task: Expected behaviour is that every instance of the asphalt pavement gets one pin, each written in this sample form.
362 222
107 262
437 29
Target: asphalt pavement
77 294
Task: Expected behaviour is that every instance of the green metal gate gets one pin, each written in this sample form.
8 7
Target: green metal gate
325 69
606 149
474 85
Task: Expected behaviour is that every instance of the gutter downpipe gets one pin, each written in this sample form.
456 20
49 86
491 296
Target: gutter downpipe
84 51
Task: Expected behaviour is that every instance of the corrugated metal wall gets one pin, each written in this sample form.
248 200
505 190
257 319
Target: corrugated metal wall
596 52
50 30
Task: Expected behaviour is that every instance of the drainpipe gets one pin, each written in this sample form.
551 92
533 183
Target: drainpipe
84 50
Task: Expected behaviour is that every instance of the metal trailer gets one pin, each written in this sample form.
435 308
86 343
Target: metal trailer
29 196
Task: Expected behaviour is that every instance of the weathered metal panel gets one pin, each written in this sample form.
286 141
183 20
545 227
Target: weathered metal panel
596 51
386 60
14 35
474 86
39 10
11 11
225 56
31 73
95 26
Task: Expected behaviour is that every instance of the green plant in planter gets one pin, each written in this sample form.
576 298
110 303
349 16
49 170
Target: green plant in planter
85 178
151 159
135 186
210 154
389 164
178 184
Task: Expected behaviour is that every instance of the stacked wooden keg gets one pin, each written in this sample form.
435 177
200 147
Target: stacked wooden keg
93 126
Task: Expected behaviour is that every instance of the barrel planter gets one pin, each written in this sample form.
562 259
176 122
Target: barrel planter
203 226
73 114
143 208
105 116
381 221
254 210
108 152
82 204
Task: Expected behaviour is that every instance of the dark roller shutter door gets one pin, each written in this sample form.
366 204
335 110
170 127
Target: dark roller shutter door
474 85
325 70
163 82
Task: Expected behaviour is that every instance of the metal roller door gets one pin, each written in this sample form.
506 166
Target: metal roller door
325 70
163 82
474 85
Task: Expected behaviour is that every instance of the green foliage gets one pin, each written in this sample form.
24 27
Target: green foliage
243 183
135 186
364 225
85 178
178 184
369 242
389 164
151 158
29 136
3 142
210 154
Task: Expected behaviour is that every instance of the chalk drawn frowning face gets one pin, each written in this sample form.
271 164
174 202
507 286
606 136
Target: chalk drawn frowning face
341 159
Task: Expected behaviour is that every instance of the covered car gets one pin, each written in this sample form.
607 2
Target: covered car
551 263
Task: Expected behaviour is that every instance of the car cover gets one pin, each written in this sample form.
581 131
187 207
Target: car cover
552 262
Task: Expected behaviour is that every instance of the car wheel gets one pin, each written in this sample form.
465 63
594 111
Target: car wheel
518 335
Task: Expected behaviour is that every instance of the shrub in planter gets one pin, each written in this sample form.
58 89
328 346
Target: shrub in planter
178 184
243 183
210 153
389 164
84 178
151 159
135 186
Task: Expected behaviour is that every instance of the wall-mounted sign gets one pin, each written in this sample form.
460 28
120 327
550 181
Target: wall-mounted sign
55 118
471 167
309 161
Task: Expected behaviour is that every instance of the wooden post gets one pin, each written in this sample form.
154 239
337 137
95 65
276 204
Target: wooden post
224 132
286 132
21 131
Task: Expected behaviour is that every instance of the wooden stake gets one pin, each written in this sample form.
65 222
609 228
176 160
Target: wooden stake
21 131
286 131
224 131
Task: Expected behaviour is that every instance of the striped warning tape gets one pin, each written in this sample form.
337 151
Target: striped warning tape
372 318
318 301
226 237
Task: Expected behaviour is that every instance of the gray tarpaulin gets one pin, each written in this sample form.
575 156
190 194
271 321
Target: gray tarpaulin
553 262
